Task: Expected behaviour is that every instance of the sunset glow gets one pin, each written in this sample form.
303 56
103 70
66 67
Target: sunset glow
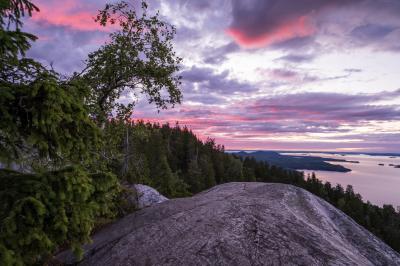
285 75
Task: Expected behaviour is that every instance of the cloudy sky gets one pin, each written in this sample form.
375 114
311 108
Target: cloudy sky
262 74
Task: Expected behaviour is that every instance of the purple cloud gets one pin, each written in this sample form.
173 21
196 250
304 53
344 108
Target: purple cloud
335 107
210 33
259 23
217 55
298 24
297 58
372 32
211 81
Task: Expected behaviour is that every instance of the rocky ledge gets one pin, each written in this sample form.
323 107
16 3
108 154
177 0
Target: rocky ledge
238 224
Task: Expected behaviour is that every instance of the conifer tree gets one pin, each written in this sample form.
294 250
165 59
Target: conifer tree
194 176
207 172
13 41
47 135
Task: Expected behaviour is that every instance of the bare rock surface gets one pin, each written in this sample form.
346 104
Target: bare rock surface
147 196
137 196
238 224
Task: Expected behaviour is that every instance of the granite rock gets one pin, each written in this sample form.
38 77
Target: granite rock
147 196
238 224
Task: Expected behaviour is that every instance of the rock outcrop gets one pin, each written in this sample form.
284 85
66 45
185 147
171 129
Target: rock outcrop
147 196
238 224
137 196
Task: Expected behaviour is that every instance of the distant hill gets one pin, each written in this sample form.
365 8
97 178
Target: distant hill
391 154
297 162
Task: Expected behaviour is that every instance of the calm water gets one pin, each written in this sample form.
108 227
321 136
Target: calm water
377 184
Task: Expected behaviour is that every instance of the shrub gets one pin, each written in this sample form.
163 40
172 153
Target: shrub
40 212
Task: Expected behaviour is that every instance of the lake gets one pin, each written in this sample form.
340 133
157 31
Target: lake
377 184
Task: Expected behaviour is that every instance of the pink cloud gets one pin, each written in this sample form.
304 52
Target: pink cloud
299 27
71 14
260 124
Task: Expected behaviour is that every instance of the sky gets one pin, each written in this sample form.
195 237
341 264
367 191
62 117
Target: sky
261 74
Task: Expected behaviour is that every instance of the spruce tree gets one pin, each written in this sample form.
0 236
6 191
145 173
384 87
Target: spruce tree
207 172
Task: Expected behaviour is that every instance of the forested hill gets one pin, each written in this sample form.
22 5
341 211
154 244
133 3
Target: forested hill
298 162
174 161
68 145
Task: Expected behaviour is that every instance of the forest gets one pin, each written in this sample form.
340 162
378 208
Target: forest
67 144
175 162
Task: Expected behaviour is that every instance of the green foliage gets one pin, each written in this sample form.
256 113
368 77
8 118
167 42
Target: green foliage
233 169
53 131
196 165
168 183
45 125
207 170
39 115
74 151
12 40
383 222
41 211
139 58
45 133
194 177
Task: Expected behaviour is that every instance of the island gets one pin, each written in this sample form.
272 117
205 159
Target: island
297 162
